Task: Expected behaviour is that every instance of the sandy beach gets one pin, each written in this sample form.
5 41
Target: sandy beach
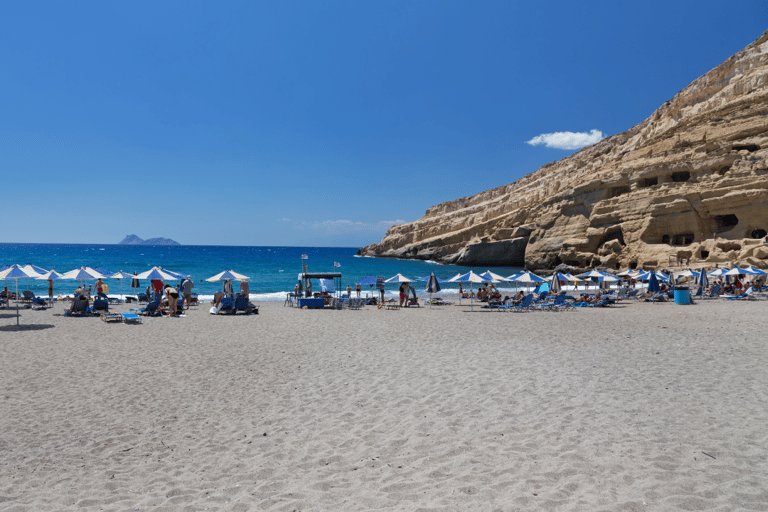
635 407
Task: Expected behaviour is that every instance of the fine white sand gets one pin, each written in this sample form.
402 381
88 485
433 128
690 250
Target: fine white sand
636 407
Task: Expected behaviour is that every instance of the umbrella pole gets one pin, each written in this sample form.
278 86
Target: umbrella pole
17 303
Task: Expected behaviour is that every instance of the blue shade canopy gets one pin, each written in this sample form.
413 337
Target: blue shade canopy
227 275
653 283
105 273
597 275
756 271
433 285
367 280
121 275
688 273
326 285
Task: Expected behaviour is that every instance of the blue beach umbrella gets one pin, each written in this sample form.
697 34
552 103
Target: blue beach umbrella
371 280
702 280
554 283
470 277
653 283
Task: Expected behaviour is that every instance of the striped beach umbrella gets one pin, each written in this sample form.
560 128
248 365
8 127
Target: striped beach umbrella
433 286
161 274
227 275
398 278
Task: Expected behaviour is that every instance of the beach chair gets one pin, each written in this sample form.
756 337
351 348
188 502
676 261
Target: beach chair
100 305
79 308
242 304
226 306
525 304
143 298
151 309
559 303
27 296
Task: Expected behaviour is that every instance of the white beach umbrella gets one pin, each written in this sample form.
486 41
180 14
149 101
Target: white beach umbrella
16 272
120 276
470 277
227 275
398 278
83 273
493 278
160 273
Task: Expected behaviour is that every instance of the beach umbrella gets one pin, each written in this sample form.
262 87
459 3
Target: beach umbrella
433 286
688 273
702 280
718 272
16 272
398 278
527 277
227 275
554 283
471 278
50 275
653 283
756 271
161 274
120 276
83 273
371 280
493 278
106 273
735 271
427 278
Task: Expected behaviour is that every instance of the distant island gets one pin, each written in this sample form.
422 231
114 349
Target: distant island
134 240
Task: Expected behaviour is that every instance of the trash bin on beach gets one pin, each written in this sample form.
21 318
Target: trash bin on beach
682 295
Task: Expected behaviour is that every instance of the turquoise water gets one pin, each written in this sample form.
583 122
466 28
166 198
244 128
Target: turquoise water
272 270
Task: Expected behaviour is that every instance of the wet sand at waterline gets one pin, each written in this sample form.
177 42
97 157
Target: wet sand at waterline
635 407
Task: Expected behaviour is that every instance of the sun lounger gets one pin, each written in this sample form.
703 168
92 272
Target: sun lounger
111 317
151 309
744 296
131 318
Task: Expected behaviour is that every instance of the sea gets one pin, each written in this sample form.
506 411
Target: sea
273 271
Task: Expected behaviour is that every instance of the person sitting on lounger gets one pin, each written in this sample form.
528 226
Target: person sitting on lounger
78 297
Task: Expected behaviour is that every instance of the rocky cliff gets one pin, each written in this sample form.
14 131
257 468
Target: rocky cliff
690 181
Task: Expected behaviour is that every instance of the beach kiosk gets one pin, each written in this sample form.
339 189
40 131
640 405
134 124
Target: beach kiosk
324 278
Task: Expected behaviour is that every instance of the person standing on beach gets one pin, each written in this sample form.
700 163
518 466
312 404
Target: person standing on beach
245 290
358 288
186 288
173 299
50 287
228 292
349 291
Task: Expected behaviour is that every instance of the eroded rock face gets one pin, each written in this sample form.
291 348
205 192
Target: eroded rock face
690 181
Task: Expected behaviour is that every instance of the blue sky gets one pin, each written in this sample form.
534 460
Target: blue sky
317 123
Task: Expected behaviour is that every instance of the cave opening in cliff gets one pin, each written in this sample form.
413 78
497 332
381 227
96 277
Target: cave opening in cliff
618 191
633 265
759 233
725 222
704 254
749 147
647 182
682 239
680 176
723 170
614 233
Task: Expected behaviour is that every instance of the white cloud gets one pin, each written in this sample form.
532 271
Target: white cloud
567 140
